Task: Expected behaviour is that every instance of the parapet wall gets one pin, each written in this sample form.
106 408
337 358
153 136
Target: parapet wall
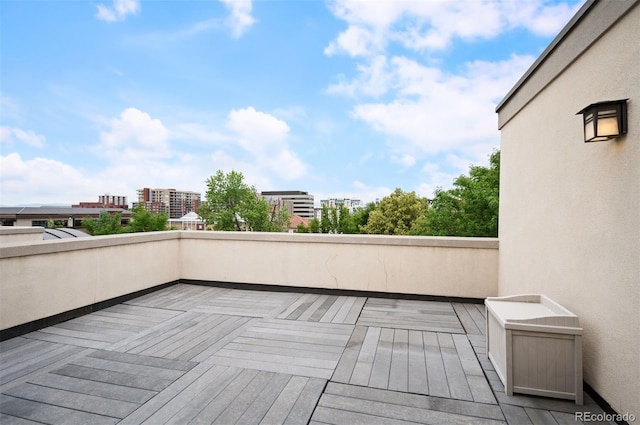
47 278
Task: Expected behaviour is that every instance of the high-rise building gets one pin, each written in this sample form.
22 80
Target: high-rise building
302 202
351 204
174 202
105 201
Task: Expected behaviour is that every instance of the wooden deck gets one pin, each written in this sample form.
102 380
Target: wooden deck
192 354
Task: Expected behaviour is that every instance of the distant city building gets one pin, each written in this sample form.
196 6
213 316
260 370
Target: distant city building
174 202
301 202
56 216
106 201
352 204
296 221
190 221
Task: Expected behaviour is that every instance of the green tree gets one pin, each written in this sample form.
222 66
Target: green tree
470 208
396 214
325 220
143 220
230 204
105 224
314 226
360 218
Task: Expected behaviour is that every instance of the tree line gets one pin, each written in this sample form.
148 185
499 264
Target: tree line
469 208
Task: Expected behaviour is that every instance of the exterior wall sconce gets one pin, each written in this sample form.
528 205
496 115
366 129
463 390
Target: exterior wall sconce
604 120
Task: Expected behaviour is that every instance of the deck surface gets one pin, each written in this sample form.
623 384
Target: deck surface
191 354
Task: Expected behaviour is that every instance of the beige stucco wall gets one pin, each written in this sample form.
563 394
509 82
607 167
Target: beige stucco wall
410 265
50 277
570 211
11 234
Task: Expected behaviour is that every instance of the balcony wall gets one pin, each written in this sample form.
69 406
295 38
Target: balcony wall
12 234
46 278
457 267
51 277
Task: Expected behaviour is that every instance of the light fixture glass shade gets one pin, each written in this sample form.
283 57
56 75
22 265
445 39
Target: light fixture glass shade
604 120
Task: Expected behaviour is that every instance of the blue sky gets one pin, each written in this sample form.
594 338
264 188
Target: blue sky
339 98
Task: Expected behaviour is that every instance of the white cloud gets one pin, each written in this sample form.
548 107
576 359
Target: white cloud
42 180
9 135
405 160
135 135
373 80
434 111
240 18
265 137
197 132
420 25
118 11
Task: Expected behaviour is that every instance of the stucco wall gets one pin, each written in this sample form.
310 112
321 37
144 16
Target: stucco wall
569 211
50 277
461 267
12 234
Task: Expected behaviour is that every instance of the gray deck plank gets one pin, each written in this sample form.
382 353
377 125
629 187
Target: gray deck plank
287 312
217 406
116 366
100 389
391 411
190 335
261 405
238 406
344 310
315 306
35 364
46 413
288 345
462 407
347 362
566 418
382 362
541 417
113 377
73 400
364 364
13 420
73 325
188 411
458 385
417 369
208 347
332 311
470 325
399 373
189 389
282 406
328 415
515 415
303 407
323 309
28 349
313 372
67 340
308 352
436 374
291 358
354 312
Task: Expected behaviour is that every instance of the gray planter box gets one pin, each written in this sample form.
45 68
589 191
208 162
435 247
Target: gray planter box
535 346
